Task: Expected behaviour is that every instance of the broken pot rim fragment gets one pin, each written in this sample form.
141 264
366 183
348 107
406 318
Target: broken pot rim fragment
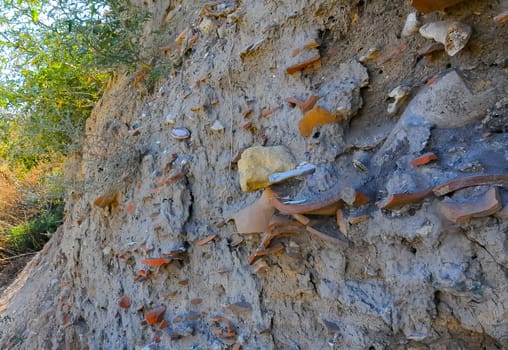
469 181
328 204
483 205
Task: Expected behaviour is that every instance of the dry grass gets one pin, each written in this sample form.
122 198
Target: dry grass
22 196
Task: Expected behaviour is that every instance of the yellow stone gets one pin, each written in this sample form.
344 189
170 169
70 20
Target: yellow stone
257 163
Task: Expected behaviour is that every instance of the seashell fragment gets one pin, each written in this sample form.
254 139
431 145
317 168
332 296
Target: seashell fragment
217 126
412 25
170 119
399 94
452 34
370 55
180 133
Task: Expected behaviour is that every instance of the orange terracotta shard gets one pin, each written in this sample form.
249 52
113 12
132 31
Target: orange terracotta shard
460 212
477 180
261 267
501 18
130 208
124 302
317 116
256 217
358 219
326 206
155 262
206 240
400 199
281 228
304 106
110 199
341 223
424 159
267 112
301 66
196 301
427 6
227 331
263 252
155 315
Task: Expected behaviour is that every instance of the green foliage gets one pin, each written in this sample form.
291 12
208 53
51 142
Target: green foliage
56 58
32 234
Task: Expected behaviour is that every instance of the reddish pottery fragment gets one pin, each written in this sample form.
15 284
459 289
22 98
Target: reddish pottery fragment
341 223
302 219
236 346
424 159
304 106
263 252
477 180
228 332
155 262
155 315
358 219
281 228
267 112
146 248
130 208
317 116
206 240
328 202
183 282
196 301
163 324
298 67
170 295
239 307
193 316
392 54
400 199
254 218
426 6
110 199
125 302
501 18
261 267
477 207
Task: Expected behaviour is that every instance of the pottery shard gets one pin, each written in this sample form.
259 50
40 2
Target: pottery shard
255 217
460 212
258 163
426 6
340 100
155 315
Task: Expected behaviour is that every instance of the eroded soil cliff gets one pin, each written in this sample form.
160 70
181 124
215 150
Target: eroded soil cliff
148 257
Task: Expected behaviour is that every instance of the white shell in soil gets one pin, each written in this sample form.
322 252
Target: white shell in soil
452 34
412 24
217 126
180 133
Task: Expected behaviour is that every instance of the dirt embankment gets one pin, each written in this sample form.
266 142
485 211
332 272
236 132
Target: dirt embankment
395 258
